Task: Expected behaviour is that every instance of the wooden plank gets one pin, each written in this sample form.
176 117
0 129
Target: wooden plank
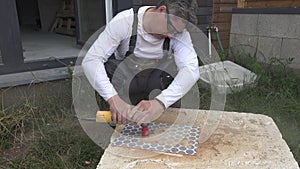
223 27
225 44
241 4
224 8
272 4
223 35
267 0
222 17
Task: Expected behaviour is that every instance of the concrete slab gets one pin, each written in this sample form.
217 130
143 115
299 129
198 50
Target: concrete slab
243 44
23 78
241 141
46 45
290 49
287 26
268 47
244 24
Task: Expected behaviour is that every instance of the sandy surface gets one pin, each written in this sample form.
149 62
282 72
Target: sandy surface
241 140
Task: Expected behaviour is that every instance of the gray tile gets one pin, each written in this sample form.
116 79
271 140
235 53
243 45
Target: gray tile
168 139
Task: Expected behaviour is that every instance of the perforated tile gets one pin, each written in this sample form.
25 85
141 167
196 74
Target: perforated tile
163 137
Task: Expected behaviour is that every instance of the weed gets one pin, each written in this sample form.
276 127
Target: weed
47 135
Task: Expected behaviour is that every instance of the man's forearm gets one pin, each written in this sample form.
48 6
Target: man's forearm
181 84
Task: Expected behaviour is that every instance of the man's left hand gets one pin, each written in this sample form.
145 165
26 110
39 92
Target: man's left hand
146 111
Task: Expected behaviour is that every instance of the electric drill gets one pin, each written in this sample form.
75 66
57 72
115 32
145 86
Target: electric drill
107 116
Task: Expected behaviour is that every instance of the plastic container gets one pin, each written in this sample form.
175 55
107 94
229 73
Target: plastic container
226 76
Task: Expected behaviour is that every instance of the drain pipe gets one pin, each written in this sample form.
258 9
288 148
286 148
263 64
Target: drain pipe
209 41
108 10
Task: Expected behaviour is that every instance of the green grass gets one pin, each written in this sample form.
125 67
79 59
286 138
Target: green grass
44 133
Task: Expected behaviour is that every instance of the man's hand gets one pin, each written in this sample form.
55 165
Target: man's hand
119 109
146 111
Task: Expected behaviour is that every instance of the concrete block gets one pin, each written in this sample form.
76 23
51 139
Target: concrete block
279 25
244 24
268 47
293 26
24 78
240 141
290 48
243 44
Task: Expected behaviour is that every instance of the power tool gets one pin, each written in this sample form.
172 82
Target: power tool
107 116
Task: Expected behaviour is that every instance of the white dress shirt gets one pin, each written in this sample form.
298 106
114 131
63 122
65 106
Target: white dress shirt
115 39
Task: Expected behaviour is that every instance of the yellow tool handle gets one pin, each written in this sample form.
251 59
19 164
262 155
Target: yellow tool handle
106 115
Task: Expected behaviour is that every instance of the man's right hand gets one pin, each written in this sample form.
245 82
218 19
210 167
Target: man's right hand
119 109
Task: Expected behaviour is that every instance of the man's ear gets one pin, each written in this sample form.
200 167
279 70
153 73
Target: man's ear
162 8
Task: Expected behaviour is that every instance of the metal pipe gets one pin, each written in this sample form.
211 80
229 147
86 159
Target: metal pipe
209 42
108 10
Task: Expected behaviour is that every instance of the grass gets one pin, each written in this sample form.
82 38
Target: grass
44 133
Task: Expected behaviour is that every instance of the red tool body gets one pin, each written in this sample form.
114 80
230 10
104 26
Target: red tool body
145 129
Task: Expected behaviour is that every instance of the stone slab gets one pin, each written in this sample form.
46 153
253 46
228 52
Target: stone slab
241 140
290 49
268 47
243 44
244 24
287 26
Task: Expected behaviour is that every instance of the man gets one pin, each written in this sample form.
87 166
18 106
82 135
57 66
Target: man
154 24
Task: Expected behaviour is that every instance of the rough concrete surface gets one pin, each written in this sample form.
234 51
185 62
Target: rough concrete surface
267 36
241 140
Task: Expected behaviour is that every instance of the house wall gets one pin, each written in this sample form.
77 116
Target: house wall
267 33
222 12
268 3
